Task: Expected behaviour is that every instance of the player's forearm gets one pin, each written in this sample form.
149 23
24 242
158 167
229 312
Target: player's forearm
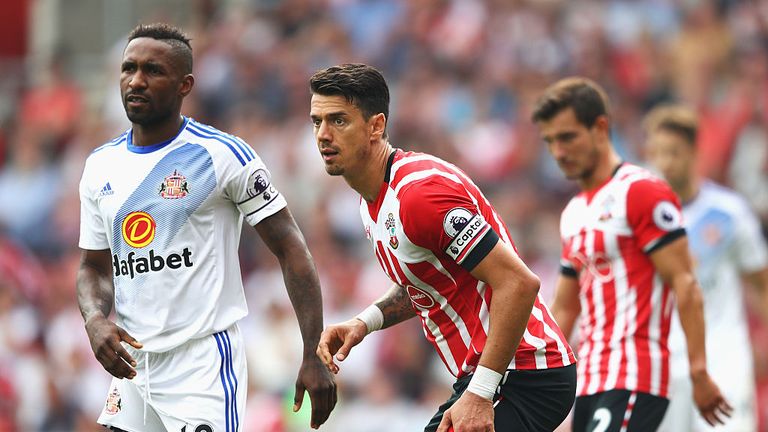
510 311
690 307
95 292
396 306
759 281
303 288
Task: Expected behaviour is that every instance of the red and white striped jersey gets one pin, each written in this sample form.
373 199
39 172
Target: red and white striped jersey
429 227
608 234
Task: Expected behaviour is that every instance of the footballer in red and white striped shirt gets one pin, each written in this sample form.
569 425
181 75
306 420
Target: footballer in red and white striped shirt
625 261
452 263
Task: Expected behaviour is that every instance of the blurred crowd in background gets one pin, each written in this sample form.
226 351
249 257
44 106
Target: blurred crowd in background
463 75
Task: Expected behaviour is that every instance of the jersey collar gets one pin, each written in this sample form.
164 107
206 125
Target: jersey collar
154 147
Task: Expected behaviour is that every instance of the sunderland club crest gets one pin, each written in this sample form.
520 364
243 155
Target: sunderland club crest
174 186
114 402
390 225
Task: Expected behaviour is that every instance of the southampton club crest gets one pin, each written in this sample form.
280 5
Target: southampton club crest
174 186
390 225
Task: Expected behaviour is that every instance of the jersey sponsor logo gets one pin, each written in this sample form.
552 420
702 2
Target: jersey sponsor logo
134 265
174 186
666 216
455 220
390 225
420 298
472 229
114 402
138 229
598 267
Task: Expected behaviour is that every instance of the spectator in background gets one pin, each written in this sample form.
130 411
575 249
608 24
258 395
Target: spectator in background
726 244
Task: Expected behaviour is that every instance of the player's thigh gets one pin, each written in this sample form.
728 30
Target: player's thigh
528 400
536 400
619 410
205 386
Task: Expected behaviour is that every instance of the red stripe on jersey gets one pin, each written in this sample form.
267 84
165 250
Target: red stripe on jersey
404 281
382 256
467 319
554 356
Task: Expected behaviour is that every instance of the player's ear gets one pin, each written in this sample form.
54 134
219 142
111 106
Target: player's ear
603 125
186 85
377 124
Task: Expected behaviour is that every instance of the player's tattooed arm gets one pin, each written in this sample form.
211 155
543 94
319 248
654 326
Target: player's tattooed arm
95 296
283 237
95 291
396 306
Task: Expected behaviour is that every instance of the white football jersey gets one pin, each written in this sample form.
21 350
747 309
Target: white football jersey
171 214
725 241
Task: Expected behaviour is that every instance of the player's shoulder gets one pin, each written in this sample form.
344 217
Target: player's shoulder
104 156
414 173
115 144
641 182
712 194
218 143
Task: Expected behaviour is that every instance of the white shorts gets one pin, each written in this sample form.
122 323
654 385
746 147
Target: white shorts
736 382
199 386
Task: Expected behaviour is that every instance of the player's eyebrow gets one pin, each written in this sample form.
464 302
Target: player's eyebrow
330 115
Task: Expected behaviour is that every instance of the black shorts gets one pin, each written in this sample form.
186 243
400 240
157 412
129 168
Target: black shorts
618 410
527 400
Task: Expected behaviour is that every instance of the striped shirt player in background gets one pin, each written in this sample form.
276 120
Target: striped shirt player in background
726 244
624 255
162 208
452 262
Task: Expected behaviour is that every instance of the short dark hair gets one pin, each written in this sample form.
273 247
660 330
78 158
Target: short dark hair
362 86
586 97
678 119
171 35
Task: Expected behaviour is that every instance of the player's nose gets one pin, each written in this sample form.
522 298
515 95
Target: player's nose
324 132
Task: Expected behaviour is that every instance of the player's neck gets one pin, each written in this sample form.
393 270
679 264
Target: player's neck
156 133
689 190
368 181
605 169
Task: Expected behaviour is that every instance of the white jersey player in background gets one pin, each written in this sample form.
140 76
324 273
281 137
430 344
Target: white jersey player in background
162 207
727 244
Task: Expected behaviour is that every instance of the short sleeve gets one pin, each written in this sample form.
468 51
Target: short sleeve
439 215
93 235
750 245
654 214
250 188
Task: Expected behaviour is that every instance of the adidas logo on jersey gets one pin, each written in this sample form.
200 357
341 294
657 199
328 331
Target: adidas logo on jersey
106 190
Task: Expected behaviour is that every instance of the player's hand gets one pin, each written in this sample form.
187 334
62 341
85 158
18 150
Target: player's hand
106 337
315 378
710 402
471 413
337 340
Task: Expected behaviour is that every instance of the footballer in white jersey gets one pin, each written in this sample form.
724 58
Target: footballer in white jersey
726 245
726 242
166 213
162 208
